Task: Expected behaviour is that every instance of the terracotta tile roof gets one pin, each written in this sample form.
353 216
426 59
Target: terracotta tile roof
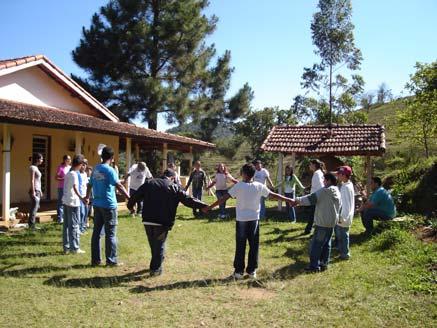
19 61
21 113
346 140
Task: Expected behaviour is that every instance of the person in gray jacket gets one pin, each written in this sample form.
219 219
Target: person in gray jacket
328 202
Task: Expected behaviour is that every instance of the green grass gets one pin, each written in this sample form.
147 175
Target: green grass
389 282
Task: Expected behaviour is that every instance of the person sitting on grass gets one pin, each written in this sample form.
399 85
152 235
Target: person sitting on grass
380 206
248 194
328 202
160 199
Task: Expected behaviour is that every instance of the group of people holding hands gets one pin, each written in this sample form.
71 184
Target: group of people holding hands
156 200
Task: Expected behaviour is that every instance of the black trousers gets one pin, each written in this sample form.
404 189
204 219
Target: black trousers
157 236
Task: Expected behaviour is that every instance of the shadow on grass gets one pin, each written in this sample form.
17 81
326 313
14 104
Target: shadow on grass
95 282
200 283
37 270
29 255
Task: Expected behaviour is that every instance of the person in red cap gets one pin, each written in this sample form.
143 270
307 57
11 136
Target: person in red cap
346 213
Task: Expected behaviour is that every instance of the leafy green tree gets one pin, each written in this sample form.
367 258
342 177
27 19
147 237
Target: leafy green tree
418 120
256 125
332 34
145 57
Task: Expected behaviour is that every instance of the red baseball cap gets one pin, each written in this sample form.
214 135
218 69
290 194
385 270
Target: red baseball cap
346 170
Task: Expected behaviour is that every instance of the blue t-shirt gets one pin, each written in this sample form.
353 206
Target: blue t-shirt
103 181
381 199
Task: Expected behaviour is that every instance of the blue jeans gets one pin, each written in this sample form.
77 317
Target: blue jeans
197 193
60 206
311 210
262 208
107 218
246 231
70 228
83 216
342 236
370 214
156 235
290 209
34 207
320 247
222 207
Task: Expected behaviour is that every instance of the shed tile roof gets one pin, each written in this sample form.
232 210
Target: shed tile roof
346 140
21 113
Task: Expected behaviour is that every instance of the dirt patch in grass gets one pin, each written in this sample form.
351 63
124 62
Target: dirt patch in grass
426 234
256 294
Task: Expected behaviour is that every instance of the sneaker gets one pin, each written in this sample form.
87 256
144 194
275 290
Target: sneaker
293 221
252 275
155 273
66 251
323 268
118 264
237 275
78 251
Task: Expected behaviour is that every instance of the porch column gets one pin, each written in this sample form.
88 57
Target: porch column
78 143
293 161
190 166
279 178
164 156
128 154
6 172
369 174
137 152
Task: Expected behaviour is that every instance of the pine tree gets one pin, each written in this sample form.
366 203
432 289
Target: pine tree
145 57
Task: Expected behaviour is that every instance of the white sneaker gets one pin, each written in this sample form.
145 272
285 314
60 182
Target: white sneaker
237 276
252 275
78 251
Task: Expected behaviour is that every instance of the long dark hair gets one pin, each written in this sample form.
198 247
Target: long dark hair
35 158
291 170
318 164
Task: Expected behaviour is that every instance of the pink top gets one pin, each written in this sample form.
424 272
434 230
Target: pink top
61 172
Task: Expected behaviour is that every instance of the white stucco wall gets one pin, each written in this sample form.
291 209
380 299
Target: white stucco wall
34 86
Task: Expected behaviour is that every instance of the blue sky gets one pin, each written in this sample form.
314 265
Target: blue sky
270 40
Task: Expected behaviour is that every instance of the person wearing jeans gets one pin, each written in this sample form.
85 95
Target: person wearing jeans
248 194
347 194
61 172
161 197
198 178
328 203
380 206
221 177
103 182
35 188
289 184
262 176
71 201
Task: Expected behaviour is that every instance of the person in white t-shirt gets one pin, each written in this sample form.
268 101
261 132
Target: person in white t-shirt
83 184
318 169
138 173
346 213
71 200
248 194
262 176
222 176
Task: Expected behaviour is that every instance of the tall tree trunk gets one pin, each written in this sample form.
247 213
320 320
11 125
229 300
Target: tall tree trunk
152 120
330 95
425 140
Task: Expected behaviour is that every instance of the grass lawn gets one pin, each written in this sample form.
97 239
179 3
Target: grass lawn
389 282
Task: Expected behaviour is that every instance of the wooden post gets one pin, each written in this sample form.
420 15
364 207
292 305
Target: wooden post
6 172
164 156
190 166
128 154
293 161
137 152
369 174
78 143
279 178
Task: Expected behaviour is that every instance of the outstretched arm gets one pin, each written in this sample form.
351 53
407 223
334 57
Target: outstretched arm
219 201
